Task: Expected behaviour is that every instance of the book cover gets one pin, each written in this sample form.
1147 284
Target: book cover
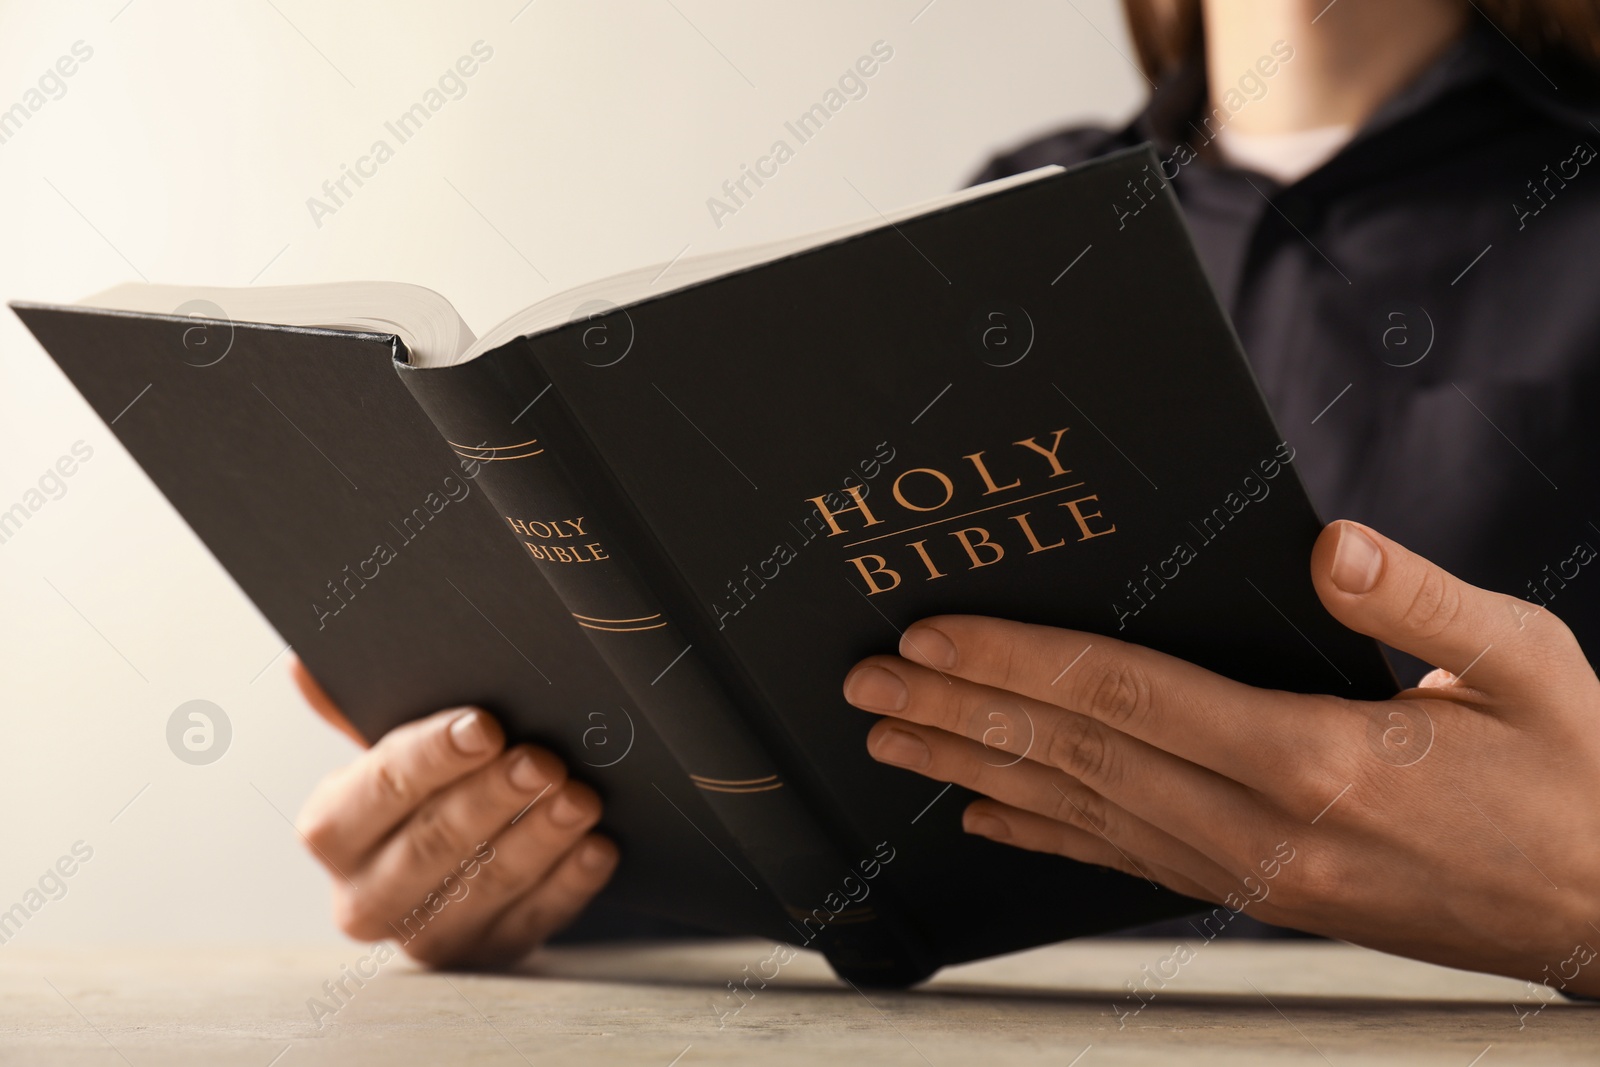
701 508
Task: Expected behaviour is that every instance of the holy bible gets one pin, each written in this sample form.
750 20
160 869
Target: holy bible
652 522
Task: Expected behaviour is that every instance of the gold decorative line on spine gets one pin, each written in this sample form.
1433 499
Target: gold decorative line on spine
641 618
496 459
485 453
620 629
764 784
493 448
735 781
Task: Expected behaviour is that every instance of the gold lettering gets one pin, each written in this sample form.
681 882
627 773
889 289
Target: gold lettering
550 528
983 471
859 505
933 572
1022 521
1050 454
1083 520
949 489
983 542
559 554
880 566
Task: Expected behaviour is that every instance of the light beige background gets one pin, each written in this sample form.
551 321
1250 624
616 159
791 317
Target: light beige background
185 150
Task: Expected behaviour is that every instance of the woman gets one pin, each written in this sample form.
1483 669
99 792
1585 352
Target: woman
1392 201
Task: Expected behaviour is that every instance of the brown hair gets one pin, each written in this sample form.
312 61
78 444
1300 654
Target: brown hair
1169 33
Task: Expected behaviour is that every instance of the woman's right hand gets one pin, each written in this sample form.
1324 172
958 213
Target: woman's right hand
438 837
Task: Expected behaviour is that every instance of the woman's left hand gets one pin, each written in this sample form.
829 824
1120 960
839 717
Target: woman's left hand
1458 822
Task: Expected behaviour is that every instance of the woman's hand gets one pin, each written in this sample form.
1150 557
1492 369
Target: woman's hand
1458 822
439 838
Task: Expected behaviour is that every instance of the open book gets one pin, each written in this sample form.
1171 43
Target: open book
651 522
434 334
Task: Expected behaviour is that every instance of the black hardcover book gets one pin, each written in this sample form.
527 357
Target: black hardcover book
651 523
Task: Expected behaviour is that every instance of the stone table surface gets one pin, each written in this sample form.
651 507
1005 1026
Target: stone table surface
670 1004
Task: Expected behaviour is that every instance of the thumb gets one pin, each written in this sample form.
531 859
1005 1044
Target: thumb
1487 640
321 702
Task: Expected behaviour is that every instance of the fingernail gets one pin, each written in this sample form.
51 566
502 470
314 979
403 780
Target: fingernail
468 734
924 644
875 689
985 826
524 774
564 811
593 855
1356 560
901 749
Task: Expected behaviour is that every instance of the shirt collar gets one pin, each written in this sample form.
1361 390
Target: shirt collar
1562 90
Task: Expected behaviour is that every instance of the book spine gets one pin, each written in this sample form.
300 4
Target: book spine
553 494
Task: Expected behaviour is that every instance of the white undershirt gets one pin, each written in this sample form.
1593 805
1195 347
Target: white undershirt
1286 157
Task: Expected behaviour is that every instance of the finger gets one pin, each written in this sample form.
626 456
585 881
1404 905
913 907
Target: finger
507 868
1145 777
445 828
1437 679
440 924
321 702
1026 785
551 905
1376 587
1234 729
1036 833
1151 811
354 809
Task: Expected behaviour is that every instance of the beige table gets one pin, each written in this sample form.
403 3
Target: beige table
657 1005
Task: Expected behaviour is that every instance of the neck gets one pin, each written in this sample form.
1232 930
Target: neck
1346 58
